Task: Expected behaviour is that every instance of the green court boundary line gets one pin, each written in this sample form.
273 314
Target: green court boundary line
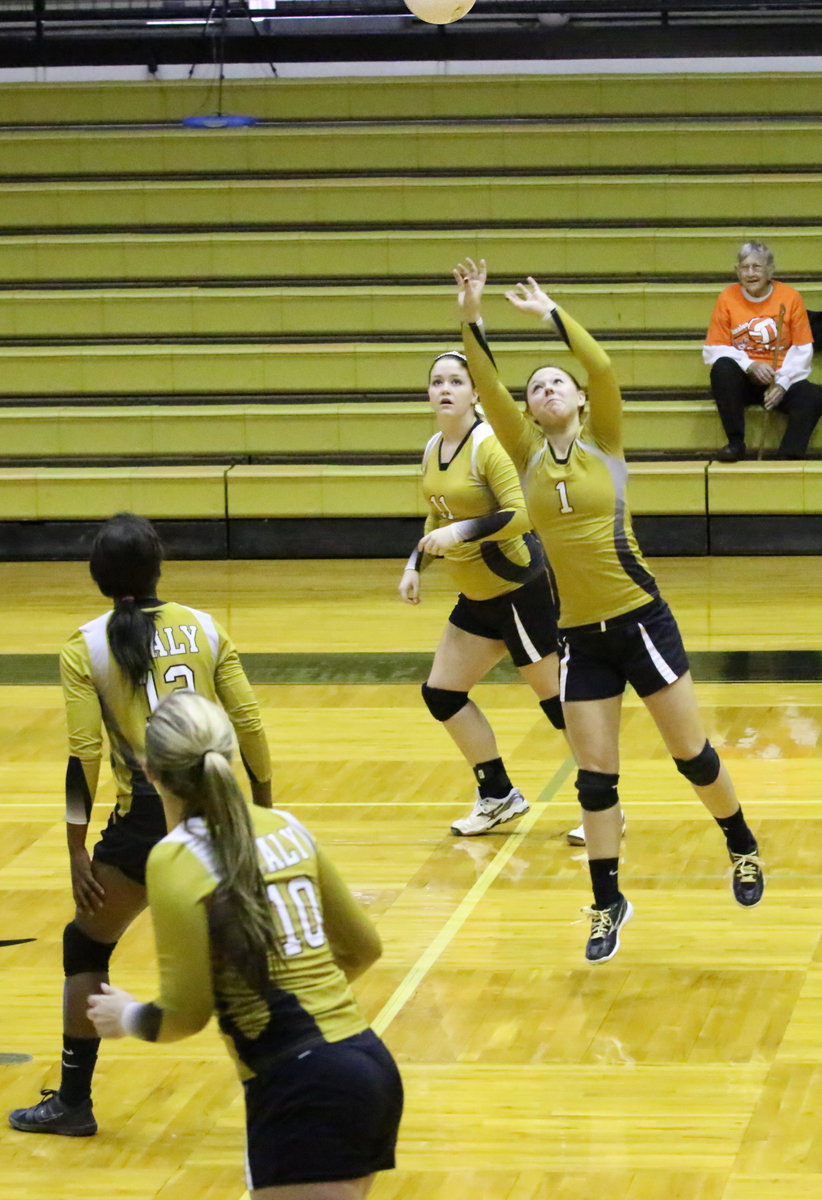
377 667
429 957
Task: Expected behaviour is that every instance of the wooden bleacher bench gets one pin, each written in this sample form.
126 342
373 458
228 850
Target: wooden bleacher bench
392 312
552 252
339 100
94 493
398 201
317 369
407 148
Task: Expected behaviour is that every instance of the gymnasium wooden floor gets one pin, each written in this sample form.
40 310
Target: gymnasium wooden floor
687 1068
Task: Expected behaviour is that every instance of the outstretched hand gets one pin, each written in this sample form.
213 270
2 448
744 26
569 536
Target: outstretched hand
529 297
470 277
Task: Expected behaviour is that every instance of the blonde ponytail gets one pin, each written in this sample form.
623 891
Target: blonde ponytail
188 750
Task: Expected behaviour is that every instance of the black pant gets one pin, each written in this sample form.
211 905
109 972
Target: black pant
733 391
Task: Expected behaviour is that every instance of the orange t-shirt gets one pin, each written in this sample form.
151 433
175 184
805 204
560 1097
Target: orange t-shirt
752 325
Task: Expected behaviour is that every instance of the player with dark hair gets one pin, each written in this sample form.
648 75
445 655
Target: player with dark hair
614 626
252 921
478 523
114 671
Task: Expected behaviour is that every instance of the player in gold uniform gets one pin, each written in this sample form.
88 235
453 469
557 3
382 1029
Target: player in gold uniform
114 671
614 626
478 522
252 921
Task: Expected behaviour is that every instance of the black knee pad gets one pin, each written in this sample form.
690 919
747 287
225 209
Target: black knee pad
81 953
553 711
702 770
442 702
597 791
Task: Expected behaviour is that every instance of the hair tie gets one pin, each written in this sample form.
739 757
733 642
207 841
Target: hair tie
124 599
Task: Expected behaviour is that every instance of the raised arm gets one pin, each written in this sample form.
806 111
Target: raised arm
515 432
604 396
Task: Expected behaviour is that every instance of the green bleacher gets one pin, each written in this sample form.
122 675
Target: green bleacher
754 95
230 329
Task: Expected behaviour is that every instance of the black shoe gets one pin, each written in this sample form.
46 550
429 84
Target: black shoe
747 879
605 925
52 1115
733 452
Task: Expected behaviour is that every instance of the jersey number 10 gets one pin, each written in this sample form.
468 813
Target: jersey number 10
303 903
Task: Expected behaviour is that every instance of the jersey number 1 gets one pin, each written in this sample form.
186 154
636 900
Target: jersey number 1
564 506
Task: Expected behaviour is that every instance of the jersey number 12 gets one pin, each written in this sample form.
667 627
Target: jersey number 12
180 674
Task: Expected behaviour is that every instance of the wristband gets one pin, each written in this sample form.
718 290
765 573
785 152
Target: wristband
452 535
129 1018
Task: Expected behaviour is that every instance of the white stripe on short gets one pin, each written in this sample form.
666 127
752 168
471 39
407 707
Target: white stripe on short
656 658
563 670
527 645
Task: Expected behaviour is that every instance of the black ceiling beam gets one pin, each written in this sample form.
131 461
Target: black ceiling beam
414 45
50 13
384 30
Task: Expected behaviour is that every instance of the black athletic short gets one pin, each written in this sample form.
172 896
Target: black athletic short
525 620
328 1112
643 648
128 838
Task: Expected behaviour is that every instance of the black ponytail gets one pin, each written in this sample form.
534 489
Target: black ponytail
125 563
130 636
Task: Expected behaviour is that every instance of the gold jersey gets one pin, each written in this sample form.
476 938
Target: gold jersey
578 506
308 998
192 651
478 480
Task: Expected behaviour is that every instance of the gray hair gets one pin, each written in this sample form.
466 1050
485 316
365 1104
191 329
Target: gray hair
758 248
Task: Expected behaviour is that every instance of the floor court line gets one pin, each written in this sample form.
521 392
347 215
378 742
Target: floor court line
452 926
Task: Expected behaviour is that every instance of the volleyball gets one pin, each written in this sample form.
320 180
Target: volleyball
764 331
439 12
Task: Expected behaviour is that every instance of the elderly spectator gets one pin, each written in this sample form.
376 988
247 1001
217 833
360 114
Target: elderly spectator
759 348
